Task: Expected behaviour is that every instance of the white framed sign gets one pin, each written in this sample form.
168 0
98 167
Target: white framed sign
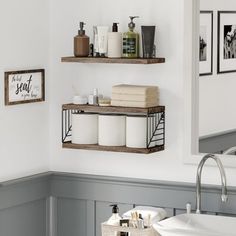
24 86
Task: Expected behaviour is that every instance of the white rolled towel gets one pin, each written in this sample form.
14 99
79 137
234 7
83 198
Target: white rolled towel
156 214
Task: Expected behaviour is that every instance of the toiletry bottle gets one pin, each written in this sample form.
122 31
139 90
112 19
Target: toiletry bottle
140 222
130 41
115 218
114 42
95 41
102 40
95 96
81 43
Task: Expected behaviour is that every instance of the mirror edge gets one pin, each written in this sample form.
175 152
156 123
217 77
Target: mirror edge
191 154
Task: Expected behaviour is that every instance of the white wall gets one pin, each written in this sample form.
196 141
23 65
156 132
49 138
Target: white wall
217 92
82 78
23 128
68 79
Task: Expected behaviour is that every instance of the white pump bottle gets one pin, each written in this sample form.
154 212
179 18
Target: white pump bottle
115 218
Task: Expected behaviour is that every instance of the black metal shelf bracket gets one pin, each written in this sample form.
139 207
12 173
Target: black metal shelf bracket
155 127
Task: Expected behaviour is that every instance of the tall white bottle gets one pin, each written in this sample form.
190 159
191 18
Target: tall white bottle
115 218
114 42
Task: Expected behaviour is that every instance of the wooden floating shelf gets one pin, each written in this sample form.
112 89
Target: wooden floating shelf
113 60
113 149
112 109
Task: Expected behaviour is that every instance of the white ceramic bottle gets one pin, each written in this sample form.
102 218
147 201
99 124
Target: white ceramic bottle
115 218
114 42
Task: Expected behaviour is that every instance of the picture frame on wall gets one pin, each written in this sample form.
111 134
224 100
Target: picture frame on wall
226 55
24 86
206 43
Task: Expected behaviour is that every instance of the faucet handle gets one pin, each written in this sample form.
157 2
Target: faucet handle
224 198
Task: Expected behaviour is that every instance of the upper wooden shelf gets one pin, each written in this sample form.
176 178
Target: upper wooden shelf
112 109
113 60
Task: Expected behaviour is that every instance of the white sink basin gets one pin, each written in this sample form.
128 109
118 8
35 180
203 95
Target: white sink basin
197 225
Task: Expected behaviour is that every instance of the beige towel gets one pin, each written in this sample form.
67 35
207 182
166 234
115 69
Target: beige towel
120 103
134 97
135 89
156 214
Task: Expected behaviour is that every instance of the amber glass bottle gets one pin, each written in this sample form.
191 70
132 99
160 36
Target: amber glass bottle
81 43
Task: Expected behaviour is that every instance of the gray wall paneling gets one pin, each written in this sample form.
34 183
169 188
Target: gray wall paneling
100 192
24 206
62 204
24 220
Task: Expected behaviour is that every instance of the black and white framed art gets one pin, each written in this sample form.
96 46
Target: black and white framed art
206 43
226 56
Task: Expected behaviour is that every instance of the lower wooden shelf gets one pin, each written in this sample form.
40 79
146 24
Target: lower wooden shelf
113 149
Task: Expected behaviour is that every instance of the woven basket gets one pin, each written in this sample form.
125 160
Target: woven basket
110 230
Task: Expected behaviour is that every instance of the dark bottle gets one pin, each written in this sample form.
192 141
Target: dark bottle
81 43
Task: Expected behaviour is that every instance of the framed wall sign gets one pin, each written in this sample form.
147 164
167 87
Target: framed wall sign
206 43
24 86
226 61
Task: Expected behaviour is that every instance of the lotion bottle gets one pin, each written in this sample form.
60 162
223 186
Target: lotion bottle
130 40
81 43
114 42
115 218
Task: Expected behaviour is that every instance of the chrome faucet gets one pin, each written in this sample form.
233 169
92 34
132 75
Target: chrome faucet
224 196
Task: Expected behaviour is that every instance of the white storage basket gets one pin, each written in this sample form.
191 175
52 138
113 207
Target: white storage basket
109 230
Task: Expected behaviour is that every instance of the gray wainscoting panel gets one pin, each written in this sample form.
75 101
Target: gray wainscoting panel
71 215
24 190
23 206
101 191
24 220
63 204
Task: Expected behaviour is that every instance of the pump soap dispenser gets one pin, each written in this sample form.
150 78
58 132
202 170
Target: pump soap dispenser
81 43
131 41
115 218
114 42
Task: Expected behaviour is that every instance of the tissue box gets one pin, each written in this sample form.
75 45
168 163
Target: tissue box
110 230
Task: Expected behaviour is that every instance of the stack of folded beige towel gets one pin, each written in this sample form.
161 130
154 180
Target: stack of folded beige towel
135 96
